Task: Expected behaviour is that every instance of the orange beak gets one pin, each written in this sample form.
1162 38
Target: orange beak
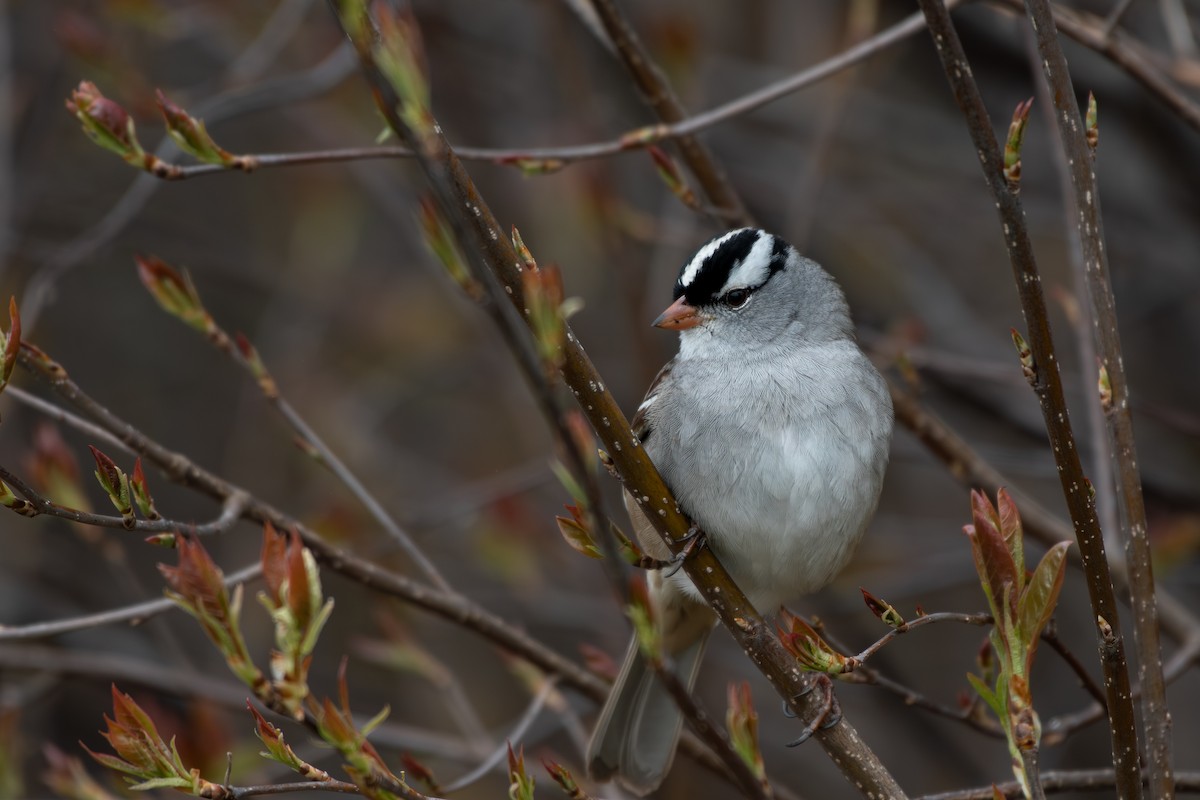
679 316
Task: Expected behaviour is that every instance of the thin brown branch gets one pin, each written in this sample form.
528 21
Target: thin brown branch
135 613
1050 637
1047 385
231 511
1131 509
1033 774
712 735
1123 50
546 158
968 466
238 792
463 206
657 94
1074 780
456 608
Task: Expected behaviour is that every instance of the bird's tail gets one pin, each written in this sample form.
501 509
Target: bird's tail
639 726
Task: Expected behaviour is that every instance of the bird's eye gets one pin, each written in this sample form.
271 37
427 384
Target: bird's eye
737 298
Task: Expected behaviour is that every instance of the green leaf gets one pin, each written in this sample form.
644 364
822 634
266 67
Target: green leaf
1041 595
986 694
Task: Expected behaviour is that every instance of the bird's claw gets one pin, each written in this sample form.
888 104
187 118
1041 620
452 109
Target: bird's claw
829 715
693 540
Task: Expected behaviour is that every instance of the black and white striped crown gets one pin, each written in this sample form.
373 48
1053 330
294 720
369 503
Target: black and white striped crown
741 259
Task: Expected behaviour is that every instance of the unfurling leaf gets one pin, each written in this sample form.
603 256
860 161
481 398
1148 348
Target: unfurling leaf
1092 123
254 363
673 177
565 780
143 757
520 782
11 344
741 720
141 492
67 776
811 651
400 54
1040 597
115 483
641 613
439 238
576 531
1012 145
193 138
175 293
882 609
993 560
1028 365
106 122
197 585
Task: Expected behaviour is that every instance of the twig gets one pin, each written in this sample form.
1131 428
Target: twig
969 467
231 511
1124 51
463 204
1029 761
276 92
712 735
516 734
1131 509
1050 637
238 792
1061 781
1047 385
544 157
1114 17
136 613
657 94
455 608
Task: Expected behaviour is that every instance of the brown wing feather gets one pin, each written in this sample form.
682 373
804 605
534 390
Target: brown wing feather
640 425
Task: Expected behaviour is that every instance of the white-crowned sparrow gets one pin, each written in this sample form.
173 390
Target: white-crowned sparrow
772 430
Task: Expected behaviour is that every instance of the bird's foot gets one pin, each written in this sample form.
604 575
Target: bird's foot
829 715
692 541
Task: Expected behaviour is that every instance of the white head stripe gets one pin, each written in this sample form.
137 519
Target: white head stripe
693 267
755 267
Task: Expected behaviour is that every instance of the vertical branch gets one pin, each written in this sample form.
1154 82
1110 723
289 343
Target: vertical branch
482 239
1047 384
1131 509
662 100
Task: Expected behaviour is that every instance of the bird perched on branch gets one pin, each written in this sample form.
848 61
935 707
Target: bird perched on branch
772 428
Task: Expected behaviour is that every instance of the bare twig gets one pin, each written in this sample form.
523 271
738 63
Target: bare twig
1061 781
135 613
1131 509
552 157
238 792
657 94
1124 51
1047 385
516 734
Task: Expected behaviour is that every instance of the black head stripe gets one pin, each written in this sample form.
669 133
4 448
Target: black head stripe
715 269
779 255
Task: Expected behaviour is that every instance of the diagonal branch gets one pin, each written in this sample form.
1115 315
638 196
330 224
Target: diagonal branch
659 96
1047 385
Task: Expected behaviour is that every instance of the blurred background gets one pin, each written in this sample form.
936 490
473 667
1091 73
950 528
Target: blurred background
323 267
